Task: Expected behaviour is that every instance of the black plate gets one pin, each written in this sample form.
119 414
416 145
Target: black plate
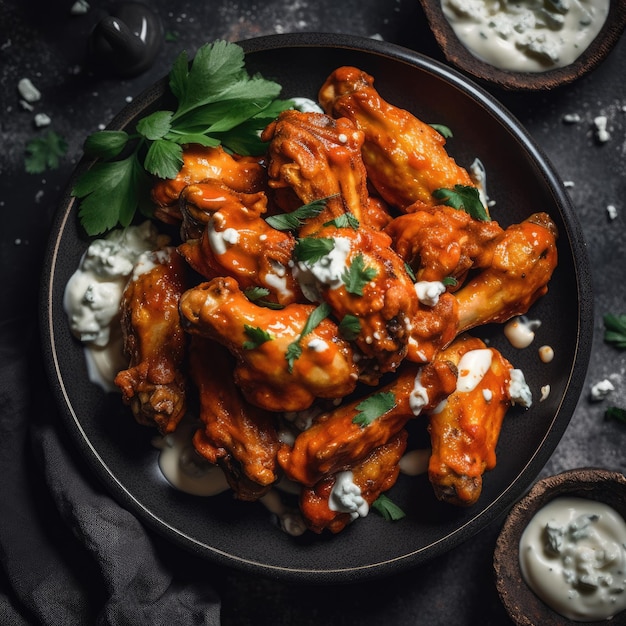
520 180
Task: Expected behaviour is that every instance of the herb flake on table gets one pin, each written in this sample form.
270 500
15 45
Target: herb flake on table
615 413
44 153
218 103
615 330
388 508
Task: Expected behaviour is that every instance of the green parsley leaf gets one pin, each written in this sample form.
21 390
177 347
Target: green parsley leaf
295 219
388 508
312 249
294 349
443 130
346 220
110 193
257 295
44 153
105 144
615 413
164 158
155 125
450 281
257 337
350 327
464 198
374 407
357 275
615 330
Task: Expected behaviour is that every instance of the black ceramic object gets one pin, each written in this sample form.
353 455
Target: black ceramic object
126 42
242 535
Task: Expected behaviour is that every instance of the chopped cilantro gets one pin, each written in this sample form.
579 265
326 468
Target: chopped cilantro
312 249
464 198
294 349
346 220
44 153
615 330
410 272
388 508
373 407
257 336
350 327
357 275
450 281
443 130
258 294
295 219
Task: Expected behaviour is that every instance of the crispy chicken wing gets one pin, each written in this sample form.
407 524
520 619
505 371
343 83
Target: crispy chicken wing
263 340
443 242
319 157
154 383
236 241
241 438
245 174
405 158
464 433
377 473
522 263
336 441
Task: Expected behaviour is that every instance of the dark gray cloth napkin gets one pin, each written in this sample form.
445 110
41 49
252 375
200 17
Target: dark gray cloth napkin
71 555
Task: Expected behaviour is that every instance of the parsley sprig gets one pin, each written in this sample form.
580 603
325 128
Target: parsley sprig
294 349
464 198
258 296
44 153
295 219
357 275
218 102
256 337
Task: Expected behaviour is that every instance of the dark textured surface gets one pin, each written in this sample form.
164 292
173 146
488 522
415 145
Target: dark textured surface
43 42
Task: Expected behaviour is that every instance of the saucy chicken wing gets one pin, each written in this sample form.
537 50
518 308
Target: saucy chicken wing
236 241
521 266
465 430
319 157
237 436
240 173
337 440
405 158
322 507
154 341
277 368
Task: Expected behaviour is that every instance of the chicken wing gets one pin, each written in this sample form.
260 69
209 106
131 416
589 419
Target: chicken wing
241 438
465 431
154 341
374 475
521 266
277 369
405 158
245 174
337 441
236 241
443 242
319 157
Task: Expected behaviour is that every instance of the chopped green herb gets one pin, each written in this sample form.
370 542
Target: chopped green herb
257 336
44 153
258 294
443 130
615 413
410 272
218 102
464 198
295 219
350 327
294 349
373 407
346 220
615 330
388 508
312 249
357 275
450 281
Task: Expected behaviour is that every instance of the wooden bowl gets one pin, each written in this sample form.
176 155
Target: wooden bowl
521 603
460 56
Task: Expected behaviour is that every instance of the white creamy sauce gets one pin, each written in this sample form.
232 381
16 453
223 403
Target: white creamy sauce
345 496
93 294
415 462
472 368
520 331
519 391
221 240
306 105
317 345
428 292
573 556
526 35
546 354
326 271
419 396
